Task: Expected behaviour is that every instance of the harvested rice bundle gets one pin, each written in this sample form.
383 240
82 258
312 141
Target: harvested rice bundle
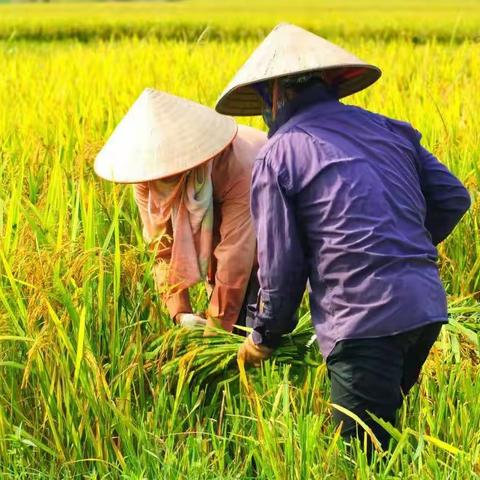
180 349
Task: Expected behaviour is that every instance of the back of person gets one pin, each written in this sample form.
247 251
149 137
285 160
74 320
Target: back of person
350 201
362 213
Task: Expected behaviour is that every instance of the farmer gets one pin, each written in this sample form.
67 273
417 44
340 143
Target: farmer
192 171
350 201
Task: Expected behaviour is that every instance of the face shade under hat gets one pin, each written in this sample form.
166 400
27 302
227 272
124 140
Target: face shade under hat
289 51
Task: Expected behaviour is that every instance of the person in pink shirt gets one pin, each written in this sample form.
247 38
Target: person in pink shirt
191 169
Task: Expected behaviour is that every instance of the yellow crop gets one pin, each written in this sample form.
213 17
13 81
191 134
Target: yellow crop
88 382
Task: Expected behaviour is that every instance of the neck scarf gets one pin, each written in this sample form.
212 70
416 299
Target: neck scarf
287 108
186 201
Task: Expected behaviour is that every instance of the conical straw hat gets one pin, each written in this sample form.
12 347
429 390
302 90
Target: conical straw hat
290 50
163 135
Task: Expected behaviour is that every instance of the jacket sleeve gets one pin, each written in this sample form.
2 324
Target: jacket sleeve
176 302
235 251
282 263
446 198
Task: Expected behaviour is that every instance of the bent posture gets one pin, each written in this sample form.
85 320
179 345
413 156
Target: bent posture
192 172
350 201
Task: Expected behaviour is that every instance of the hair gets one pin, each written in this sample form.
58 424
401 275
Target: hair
301 82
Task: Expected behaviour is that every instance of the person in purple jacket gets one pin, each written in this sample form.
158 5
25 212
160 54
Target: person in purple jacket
350 202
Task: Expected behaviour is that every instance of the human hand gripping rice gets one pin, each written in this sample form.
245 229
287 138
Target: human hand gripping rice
251 354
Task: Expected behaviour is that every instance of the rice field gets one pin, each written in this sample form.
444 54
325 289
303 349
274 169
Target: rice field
94 382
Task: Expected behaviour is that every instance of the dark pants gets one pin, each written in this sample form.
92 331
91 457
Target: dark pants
247 313
373 374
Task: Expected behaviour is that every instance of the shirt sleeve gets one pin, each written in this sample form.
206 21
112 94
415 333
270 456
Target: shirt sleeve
178 301
447 199
235 251
281 257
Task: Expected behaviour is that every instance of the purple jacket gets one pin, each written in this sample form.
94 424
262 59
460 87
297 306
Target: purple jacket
350 201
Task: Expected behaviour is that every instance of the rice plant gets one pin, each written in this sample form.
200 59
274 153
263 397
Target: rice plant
95 382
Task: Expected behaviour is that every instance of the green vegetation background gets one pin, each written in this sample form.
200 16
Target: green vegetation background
89 386
419 21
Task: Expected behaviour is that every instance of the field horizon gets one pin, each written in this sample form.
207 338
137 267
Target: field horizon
196 20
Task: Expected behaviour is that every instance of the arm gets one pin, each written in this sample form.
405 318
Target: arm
160 241
283 268
446 198
235 252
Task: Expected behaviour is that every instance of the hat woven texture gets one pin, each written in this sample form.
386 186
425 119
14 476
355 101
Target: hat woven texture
163 135
290 50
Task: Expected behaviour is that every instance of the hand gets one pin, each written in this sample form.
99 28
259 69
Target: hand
211 325
190 320
252 354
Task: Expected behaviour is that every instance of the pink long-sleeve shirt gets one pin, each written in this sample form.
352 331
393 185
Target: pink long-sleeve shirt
234 246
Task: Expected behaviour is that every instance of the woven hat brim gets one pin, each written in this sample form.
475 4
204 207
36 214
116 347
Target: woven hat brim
163 135
111 175
243 100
